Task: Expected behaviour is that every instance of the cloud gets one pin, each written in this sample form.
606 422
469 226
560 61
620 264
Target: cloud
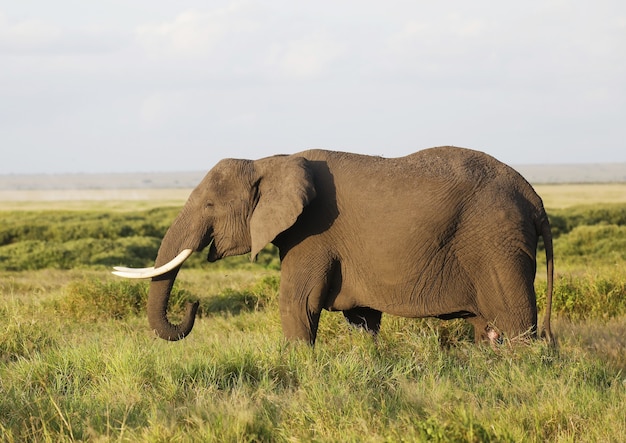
195 33
41 37
537 48
307 57
242 40
156 108
26 35
193 75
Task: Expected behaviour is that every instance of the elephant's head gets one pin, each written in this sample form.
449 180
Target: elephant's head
239 207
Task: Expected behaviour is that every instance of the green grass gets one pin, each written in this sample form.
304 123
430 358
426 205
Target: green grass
72 370
78 361
235 379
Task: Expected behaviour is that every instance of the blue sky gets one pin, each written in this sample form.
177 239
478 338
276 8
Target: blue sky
140 85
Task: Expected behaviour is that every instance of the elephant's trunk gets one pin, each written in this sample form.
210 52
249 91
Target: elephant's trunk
176 240
158 297
176 247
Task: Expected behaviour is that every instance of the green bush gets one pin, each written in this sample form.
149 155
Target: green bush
93 299
590 297
563 221
597 243
78 253
63 226
79 239
587 296
268 258
75 239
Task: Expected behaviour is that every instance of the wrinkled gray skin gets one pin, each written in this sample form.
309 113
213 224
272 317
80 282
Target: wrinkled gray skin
445 232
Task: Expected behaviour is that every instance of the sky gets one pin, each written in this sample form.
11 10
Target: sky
157 85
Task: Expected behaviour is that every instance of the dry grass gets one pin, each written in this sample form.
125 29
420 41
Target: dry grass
565 196
87 199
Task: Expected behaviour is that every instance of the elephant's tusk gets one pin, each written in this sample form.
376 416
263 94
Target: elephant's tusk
121 271
136 270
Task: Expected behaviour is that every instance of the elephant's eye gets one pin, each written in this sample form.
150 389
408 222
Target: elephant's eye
208 204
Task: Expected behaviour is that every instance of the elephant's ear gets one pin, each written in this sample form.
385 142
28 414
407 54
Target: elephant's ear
285 187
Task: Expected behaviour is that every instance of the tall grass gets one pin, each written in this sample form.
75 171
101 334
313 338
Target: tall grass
73 371
235 379
78 361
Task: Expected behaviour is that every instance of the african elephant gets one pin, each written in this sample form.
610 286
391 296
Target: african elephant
445 232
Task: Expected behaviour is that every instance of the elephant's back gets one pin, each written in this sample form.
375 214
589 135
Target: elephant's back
491 178
445 169
444 162
460 164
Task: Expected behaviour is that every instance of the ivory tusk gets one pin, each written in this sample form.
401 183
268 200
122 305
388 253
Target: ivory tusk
121 271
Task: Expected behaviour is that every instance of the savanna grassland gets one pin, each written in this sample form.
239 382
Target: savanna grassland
78 361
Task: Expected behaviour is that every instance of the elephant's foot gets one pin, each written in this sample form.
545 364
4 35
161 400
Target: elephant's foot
493 336
483 332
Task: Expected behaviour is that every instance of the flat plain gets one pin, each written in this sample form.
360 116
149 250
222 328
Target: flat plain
555 196
558 196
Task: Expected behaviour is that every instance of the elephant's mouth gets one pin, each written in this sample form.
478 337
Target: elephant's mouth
213 255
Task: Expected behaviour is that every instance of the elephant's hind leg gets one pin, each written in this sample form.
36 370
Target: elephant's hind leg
365 318
505 296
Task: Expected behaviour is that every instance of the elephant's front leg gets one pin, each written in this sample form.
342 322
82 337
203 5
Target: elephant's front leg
299 315
298 324
300 303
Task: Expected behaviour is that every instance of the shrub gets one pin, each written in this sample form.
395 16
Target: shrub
587 296
565 220
62 226
77 239
79 253
94 299
600 243
253 298
268 258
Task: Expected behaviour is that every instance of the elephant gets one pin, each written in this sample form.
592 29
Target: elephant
445 232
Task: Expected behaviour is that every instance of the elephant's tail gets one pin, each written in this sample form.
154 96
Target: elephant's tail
546 233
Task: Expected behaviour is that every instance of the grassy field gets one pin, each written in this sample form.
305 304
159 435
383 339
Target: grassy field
79 363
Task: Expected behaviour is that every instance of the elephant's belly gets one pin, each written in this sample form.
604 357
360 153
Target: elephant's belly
414 311
405 299
446 304
384 299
